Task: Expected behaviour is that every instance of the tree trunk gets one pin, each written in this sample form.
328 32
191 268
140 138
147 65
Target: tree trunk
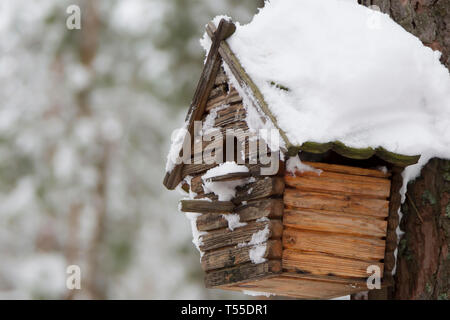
423 262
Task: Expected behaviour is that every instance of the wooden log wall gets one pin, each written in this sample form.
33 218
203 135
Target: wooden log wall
258 203
335 223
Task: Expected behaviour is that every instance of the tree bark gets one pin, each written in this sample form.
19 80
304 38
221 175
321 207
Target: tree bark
423 264
423 261
429 20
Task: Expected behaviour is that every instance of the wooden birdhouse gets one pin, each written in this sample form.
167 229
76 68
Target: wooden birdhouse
316 231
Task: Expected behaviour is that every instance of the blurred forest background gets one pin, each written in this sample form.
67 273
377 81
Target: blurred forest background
85 124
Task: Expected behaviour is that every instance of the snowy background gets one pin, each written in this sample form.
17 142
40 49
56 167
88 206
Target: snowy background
85 123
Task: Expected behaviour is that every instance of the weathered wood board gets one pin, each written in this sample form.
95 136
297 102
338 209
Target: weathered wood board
301 286
336 202
225 237
257 209
231 256
243 272
340 245
326 264
335 221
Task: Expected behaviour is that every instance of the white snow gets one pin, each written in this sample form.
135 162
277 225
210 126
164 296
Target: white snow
233 220
294 164
365 84
225 190
257 252
342 298
382 169
223 169
257 238
196 234
177 139
257 293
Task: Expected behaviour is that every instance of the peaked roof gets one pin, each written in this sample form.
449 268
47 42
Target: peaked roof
221 50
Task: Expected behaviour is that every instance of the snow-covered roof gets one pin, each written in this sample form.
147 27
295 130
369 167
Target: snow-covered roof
332 74
335 74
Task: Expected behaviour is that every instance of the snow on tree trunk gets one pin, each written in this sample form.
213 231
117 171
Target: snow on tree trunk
423 265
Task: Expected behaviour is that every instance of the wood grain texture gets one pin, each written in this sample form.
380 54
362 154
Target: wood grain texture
334 222
348 169
202 206
338 245
334 202
231 256
243 272
323 264
302 286
231 97
269 208
218 90
336 183
261 188
225 237
233 113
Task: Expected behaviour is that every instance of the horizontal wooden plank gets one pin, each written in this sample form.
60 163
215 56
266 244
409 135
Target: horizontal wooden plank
254 168
233 114
340 183
231 256
243 272
323 264
218 90
229 98
338 245
225 237
333 202
261 188
229 177
301 286
202 206
348 169
335 222
269 208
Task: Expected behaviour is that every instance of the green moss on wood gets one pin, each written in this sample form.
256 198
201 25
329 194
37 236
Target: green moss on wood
354 153
279 86
316 147
395 158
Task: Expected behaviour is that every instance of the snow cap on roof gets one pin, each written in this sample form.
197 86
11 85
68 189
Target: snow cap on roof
333 70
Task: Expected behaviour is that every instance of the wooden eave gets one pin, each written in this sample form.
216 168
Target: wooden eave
224 30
